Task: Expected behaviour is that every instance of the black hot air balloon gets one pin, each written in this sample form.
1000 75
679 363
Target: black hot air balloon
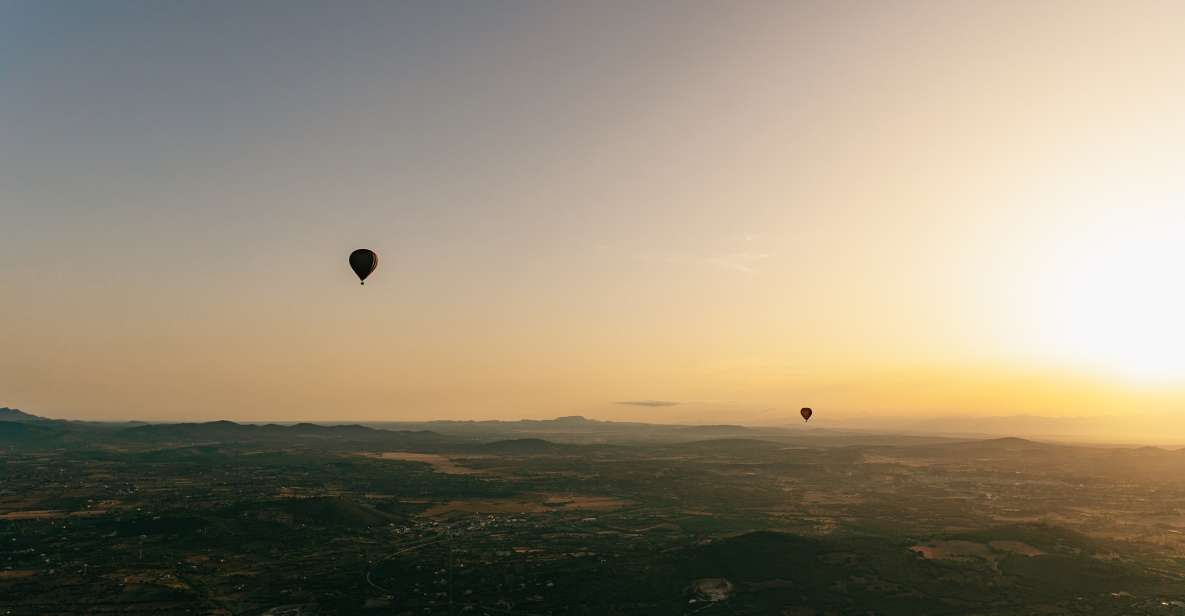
806 413
363 261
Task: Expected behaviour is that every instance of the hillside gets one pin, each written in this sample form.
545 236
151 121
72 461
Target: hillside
229 431
23 433
10 414
521 446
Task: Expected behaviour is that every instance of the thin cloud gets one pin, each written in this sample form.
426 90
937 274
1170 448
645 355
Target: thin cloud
647 403
733 254
738 261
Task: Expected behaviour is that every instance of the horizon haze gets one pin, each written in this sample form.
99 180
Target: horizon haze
1156 431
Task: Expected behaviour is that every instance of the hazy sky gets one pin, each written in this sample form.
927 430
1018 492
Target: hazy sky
866 207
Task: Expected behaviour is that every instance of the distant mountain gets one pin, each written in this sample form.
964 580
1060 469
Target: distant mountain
1006 447
1035 426
579 429
573 419
7 414
229 431
1015 424
1005 444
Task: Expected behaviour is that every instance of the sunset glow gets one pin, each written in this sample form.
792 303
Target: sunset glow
876 209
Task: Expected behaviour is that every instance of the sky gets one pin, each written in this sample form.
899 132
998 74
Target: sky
877 209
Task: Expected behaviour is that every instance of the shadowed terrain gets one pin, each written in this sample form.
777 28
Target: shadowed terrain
594 518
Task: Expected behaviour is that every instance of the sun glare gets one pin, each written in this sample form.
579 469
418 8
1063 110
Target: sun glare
1112 296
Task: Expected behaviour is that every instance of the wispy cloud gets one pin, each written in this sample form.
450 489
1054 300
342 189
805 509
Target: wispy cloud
733 254
738 261
647 403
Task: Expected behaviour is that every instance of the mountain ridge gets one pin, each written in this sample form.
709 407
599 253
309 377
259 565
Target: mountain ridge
11 414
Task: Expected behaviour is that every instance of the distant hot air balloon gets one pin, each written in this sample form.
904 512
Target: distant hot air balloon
806 413
363 261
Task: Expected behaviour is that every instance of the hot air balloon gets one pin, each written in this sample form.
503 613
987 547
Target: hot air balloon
363 261
806 413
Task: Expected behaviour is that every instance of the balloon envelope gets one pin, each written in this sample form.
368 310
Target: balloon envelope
363 261
806 413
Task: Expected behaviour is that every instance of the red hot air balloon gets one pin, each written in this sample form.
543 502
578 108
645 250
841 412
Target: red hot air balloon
806 413
363 261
